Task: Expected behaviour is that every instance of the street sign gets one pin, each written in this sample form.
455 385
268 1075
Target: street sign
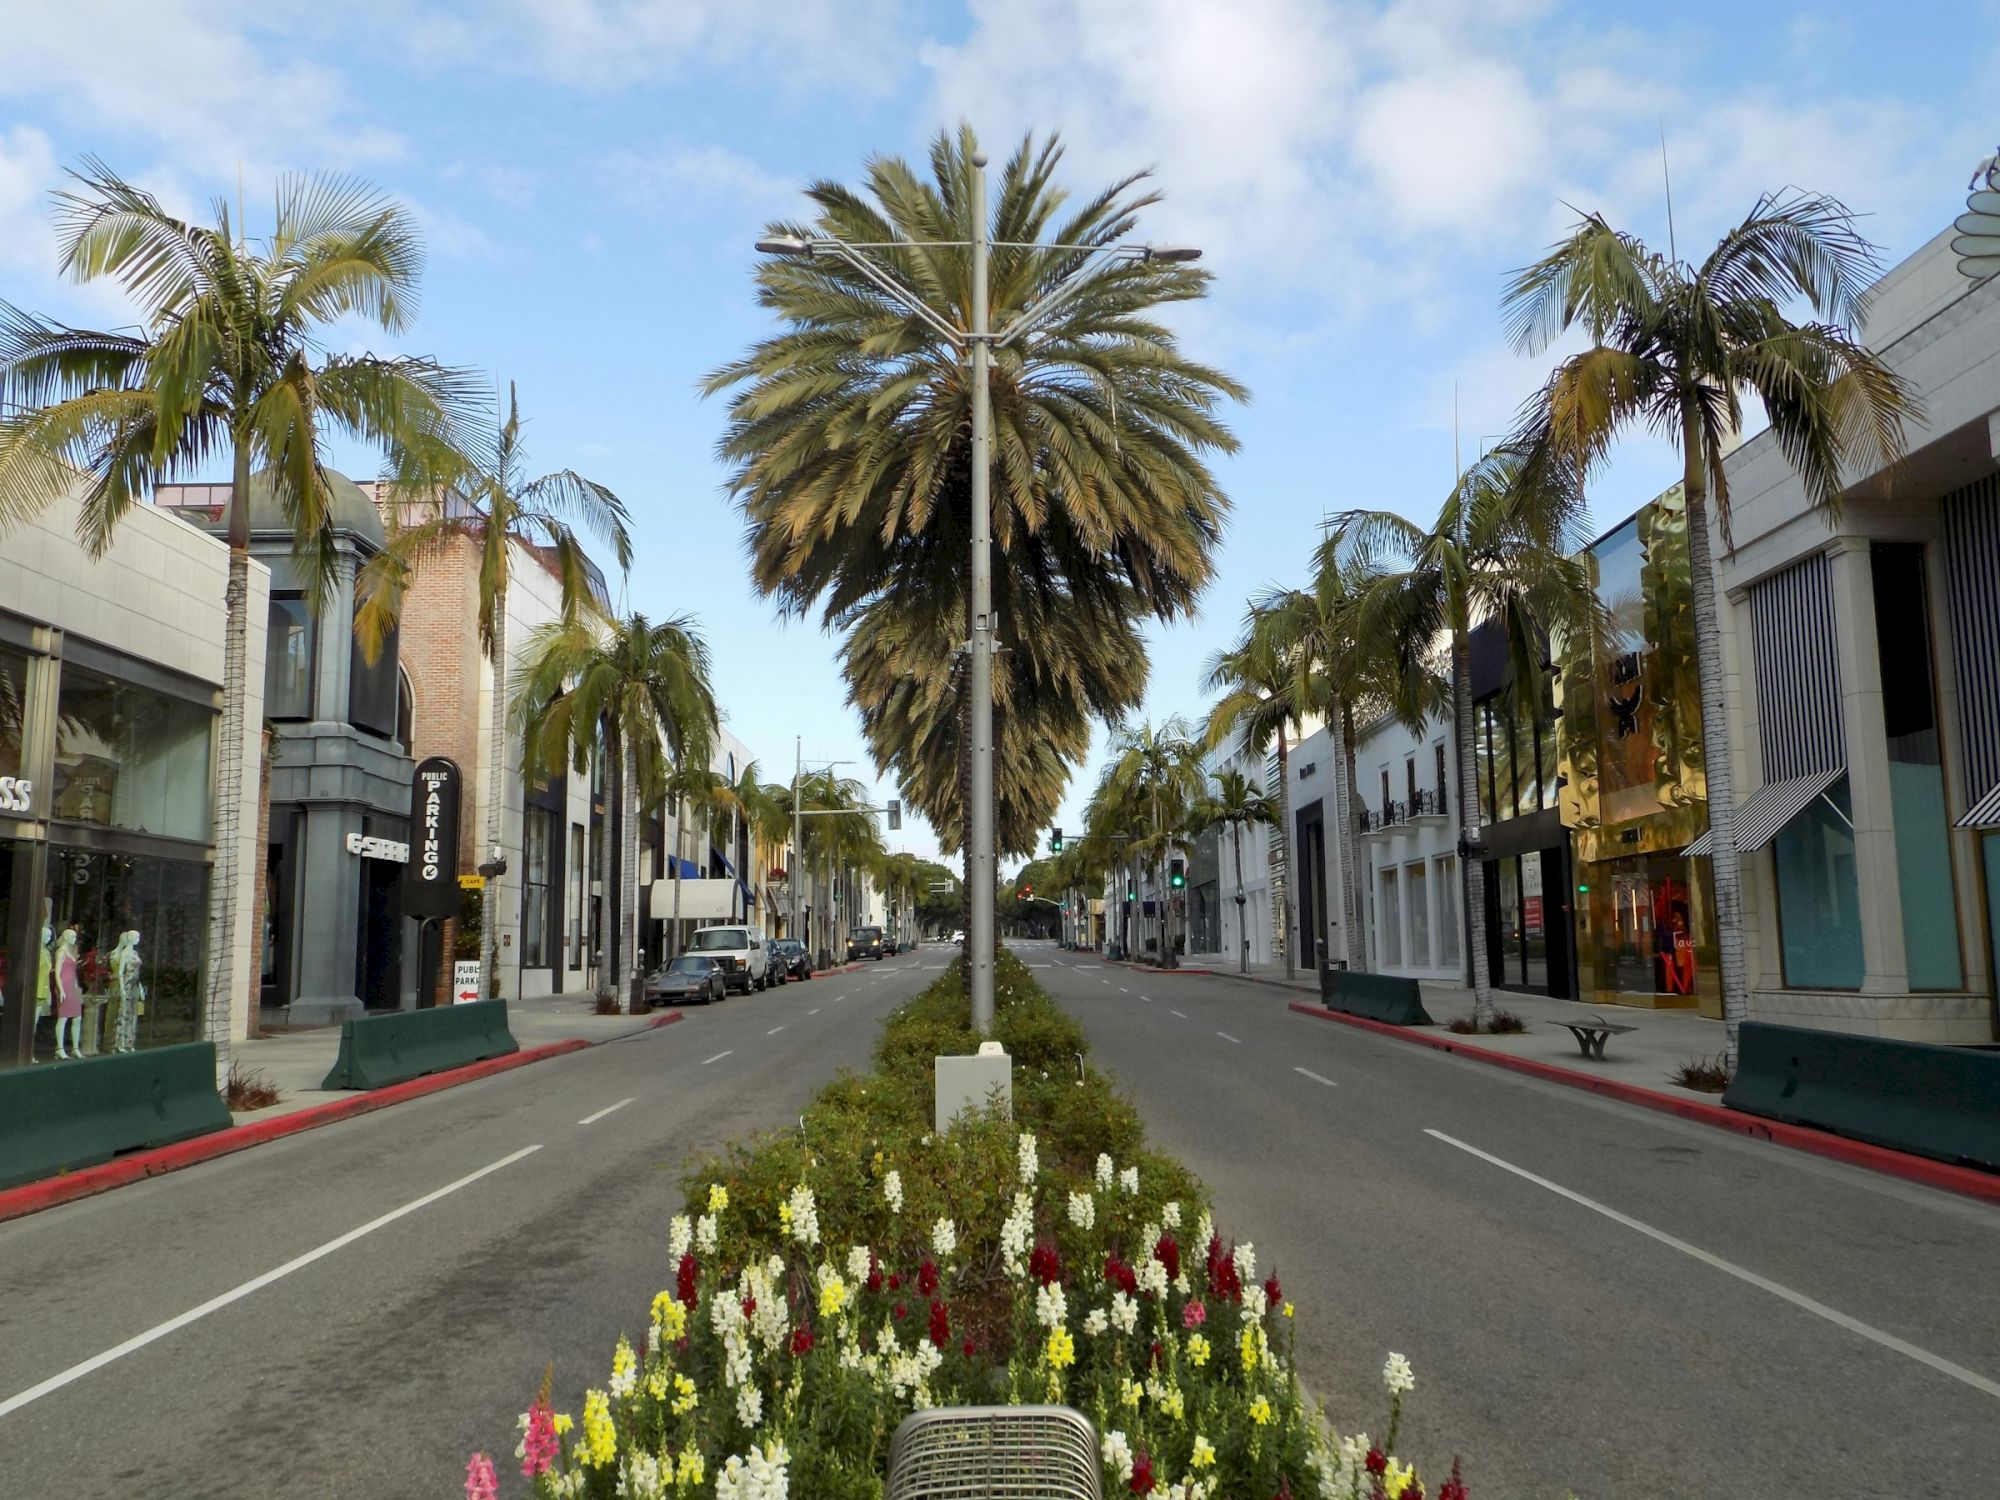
430 880
472 882
464 981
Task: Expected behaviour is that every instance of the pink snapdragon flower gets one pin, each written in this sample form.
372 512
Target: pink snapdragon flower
1194 1314
481 1483
540 1447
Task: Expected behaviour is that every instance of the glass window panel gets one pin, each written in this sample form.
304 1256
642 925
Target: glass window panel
535 890
1507 932
1534 924
130 758
1420 917
288 659
1916 769
1391 913
372 688
140 925
1527 779
1446 885
1503 757
1819 903
13 708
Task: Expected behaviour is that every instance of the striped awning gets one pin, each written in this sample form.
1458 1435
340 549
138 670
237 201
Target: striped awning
1985 812
1768 809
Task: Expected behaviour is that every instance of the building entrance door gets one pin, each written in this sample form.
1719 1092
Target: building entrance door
378 973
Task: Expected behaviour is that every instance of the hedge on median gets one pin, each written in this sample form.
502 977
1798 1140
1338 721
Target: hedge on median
829 1280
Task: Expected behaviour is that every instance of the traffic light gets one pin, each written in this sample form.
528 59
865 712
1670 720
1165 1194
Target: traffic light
1131 891
1177 873
1026 891
1055 841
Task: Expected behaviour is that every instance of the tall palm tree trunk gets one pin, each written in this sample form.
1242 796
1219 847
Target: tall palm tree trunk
1468 812
1281 872
628 883
496 786
605 960
1717 761
1353 900
1242 932
229 767
680 842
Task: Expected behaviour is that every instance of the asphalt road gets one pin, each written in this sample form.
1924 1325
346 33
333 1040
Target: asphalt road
1659 1310
530 1220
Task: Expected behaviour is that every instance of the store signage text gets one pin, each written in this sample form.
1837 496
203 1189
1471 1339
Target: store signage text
431 887
371 848
17 794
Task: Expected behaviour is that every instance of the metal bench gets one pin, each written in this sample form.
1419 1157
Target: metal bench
1593 1033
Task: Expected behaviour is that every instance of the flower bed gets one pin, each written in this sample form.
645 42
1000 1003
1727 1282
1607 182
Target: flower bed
832 1279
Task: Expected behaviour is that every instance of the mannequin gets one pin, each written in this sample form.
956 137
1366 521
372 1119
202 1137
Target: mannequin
130 990
68 996
44 961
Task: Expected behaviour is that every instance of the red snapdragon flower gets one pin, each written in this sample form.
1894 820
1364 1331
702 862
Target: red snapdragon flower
1156 1356
895 1282
1168 1253
1044 1264
902 1310
685 1278
1274 1294
1120 1275
1142 1473
1222 1278
940 1326
1454 1487
749 1307
802 1340
927 1276
970 1348
874 1282
1377 1462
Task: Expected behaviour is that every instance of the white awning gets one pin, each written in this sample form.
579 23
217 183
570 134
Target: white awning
1765 812
1985 812
700 900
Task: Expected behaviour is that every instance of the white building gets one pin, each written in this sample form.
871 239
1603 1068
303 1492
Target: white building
1254 914
1407 857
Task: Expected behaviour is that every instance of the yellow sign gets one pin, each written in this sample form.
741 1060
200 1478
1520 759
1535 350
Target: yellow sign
472 882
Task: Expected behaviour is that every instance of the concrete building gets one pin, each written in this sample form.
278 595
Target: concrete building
1864 691
110 699
1253 917
1412 885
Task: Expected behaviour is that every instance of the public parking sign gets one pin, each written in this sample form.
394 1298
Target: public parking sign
430 880
464 980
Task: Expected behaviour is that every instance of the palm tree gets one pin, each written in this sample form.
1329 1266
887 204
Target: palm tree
1674 347
227 366
486 499
1263 700
648 685
1151 783
1497 551
1235 803
850 431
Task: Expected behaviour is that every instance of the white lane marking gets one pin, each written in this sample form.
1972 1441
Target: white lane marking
814 1011
1182 1014
256 1283
1763 1283
1089 966
1121 989
774 1031
609 1108
717 1058
1316 1078
1147 998
1224 1035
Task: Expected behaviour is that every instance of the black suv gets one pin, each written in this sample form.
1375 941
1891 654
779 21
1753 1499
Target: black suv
864 942
798 963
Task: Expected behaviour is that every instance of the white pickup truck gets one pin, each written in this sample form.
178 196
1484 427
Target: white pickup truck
740 951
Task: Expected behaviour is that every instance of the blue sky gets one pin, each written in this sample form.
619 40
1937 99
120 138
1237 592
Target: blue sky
591 173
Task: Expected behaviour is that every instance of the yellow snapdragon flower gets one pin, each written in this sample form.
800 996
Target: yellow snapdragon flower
718 1197
1397 1478
1132 1393
832 1296
670 1318
562 1424
784 1216
600 1437
1204 1453
1288 1309
690 1471
1247 1349
1173 1403
1197 1350
1061 1351
1260 1412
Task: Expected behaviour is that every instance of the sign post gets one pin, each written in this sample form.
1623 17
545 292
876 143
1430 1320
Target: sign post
430 879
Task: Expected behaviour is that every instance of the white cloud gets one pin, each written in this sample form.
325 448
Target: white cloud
675 174
27 172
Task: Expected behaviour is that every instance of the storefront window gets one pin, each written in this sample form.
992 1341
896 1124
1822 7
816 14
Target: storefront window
1448 921
1916 769
127 934
535 891
576 888
1527 730
1392 921
1819 902
288 658
372 688
1420 917
1534 930
1503 757
1482 741
128 757
1505 875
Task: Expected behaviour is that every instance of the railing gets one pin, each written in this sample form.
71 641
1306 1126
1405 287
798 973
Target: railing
1430 803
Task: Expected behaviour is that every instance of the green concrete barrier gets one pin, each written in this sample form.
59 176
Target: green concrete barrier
1941 1102
64 1115
1379 997
405 1044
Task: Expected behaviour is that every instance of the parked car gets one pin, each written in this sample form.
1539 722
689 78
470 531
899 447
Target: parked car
691 977
958 935
739 949
798 962
890 947
776 969
864 942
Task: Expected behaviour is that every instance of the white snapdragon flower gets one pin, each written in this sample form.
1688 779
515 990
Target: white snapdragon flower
1152 1277
749 1406
804 1215
1096 1321
1082 1210
704 1234
892 1190
1398 1376
1118 1457
1124 1312
944 1239
1030 1159
1016 1234
1255 1303
1129 1181
857 1264
1204 1231
1051 1305
1105 1170
680 1236
1172 1214
639 1477
1245 1256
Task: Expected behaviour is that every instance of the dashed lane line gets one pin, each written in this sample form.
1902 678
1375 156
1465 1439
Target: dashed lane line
608 1109
774 1031
1182 1014
1316 1078
717 1058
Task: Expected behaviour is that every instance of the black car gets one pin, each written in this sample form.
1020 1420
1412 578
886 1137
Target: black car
890 947
688 978
864 942
776 969
797 962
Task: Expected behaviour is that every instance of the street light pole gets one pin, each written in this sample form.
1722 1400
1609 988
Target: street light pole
979 959
793 874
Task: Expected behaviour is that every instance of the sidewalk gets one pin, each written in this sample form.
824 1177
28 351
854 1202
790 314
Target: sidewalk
295 1062
1647 1056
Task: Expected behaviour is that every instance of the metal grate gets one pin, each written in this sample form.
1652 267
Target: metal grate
991 1452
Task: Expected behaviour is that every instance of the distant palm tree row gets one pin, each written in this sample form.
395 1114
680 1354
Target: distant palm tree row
1382 624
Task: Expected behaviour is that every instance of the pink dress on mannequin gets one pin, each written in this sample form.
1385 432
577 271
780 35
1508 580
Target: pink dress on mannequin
69 994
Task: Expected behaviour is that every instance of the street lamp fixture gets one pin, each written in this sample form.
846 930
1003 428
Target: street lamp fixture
980 340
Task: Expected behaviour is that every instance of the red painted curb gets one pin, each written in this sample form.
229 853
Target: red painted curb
1968 1181
86 1182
